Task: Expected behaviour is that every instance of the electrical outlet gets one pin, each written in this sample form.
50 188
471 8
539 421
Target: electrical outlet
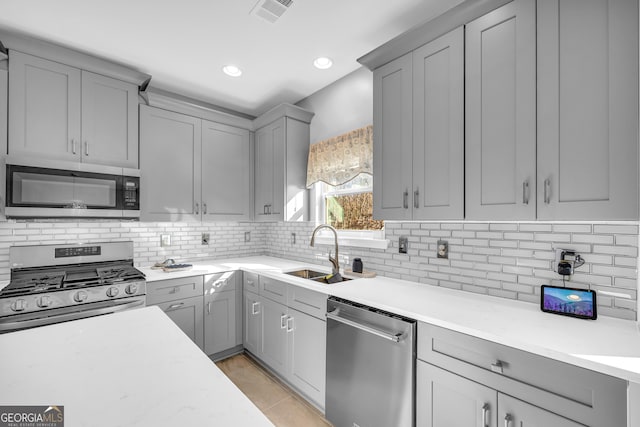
247 236
205 238
403 244
293 238
443 249
165 240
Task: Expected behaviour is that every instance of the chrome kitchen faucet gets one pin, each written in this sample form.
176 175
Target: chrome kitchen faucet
334 260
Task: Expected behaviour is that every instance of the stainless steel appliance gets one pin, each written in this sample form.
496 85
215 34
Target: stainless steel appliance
57 283
370 366
46 188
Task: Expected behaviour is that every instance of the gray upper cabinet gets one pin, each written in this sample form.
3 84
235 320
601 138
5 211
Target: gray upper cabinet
64 113
438 128
418 122
109 121
282 151
193 169
501 113
588 109
169 174
392 144
226 172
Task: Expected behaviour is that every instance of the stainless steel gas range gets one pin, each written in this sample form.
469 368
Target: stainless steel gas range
58 283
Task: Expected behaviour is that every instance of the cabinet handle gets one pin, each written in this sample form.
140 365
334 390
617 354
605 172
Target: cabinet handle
253 307
86 148
174 290
283 321
209 307
525 192
73 146
290 328
416 199
250 282
268 209
547 191
507 420
405 199
497 367
204 208
264 210
173 306
197 208
485 412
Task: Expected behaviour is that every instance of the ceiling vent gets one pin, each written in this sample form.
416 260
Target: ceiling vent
271 10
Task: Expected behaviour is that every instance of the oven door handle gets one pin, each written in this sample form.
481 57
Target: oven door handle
32 323
334 315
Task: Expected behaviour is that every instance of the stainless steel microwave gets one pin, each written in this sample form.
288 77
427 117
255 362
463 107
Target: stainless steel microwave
52 189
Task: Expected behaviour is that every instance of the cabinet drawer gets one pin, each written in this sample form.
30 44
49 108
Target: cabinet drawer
173 289
219 282
273 289
307 301
577 392
250 282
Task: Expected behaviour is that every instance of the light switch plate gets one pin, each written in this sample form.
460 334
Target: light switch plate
247 236
165 240
205 238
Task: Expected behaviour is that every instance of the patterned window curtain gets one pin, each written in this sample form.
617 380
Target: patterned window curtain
339 159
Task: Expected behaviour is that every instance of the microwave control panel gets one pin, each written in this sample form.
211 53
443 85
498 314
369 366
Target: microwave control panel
131 193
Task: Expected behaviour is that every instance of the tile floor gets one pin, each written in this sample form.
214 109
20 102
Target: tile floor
279 403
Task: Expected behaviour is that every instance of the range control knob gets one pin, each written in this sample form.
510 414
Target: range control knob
80 296
113 291
131 289
44 301
19 305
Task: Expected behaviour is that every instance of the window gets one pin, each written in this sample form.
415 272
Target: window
350 206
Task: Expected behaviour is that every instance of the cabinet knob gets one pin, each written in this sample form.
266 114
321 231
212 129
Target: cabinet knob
86 148
525 192
547 191
204 208
416 198
405 199
507 420
73 146
497 367
197 209
283 321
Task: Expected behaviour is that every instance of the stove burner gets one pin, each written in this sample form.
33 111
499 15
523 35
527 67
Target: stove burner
118 274
34 283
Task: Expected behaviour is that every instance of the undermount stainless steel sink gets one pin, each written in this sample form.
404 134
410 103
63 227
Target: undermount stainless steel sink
316 276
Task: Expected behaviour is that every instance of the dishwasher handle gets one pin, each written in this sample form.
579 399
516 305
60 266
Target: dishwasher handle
334 315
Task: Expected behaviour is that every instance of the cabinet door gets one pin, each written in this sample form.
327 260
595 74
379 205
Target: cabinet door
252 325
514 412
219 321
109 121
444 399
307 354
588 109
273 340
501 113
44 108
188 315
269 178
226 172
392 145
438 128
170 153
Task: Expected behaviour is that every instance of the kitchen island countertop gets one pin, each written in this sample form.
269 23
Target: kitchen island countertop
135 368
607 345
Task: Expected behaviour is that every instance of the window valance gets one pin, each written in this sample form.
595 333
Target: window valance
339 159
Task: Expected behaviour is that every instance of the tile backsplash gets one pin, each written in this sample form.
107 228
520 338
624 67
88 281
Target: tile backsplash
509 260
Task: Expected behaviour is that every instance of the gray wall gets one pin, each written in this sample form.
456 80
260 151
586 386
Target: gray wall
342 106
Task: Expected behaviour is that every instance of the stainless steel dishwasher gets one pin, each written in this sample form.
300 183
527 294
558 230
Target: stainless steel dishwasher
370 366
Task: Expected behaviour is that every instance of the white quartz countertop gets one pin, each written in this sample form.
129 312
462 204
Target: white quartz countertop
607 345
134 369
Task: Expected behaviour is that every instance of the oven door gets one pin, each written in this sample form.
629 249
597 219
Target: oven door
64 314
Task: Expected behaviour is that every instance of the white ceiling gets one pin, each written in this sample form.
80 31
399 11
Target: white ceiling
184 44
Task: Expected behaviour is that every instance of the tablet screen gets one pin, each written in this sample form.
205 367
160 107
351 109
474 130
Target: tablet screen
569 301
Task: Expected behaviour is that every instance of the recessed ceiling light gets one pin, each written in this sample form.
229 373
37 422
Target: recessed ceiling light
232 70
323 63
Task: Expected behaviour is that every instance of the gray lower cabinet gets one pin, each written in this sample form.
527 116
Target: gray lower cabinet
445 399
466 381
220 312
284 327
181 299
